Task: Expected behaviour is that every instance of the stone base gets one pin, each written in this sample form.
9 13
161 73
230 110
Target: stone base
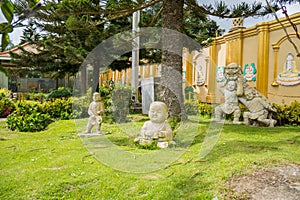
92 134
162 144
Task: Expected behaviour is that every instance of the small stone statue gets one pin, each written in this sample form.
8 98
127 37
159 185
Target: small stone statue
290 74
259 108
236 90
231 105
157 128
96 109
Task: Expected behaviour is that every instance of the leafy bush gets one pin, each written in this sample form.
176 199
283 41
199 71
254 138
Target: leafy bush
41 97
28 117
58 109
205 109
174 122
7 106
5 93
28 123
191 108
33 116
106 97
80 106
150 146
287 114
60 93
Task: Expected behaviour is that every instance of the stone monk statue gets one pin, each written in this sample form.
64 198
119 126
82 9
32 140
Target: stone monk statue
157 128
96 109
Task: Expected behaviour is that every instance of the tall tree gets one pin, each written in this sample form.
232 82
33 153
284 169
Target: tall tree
171 74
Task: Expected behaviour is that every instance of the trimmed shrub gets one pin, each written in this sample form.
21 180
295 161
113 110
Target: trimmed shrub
60 93
288 114
33 116
28 123
58 109
41 97
28 117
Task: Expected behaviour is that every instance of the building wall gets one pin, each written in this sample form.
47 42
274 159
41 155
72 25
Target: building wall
3 80
266 46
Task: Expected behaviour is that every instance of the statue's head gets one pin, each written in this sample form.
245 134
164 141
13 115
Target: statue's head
231 85
96 96
158 112
249 94
232 71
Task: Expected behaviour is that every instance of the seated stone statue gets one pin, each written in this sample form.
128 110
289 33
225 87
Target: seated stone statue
258 108
157 128
231 103
96 109
290 75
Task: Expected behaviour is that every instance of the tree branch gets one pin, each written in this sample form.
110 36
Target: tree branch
121 13
240 10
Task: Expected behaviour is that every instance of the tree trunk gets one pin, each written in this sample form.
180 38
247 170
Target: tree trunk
171 74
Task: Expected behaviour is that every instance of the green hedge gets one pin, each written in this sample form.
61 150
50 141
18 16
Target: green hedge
60 93
34 116
288 114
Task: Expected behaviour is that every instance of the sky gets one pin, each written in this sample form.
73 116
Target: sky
252 21
223 23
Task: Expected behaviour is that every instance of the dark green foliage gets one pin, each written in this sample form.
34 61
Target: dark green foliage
32 116
41 97
29 122
288 114
58 109
106 94
150 146
60 93
28 117
80 106
121 98
205 109
174 122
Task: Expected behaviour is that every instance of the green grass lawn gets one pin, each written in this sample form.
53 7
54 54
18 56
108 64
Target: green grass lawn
57 164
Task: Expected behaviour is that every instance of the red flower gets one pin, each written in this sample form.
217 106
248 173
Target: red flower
7 112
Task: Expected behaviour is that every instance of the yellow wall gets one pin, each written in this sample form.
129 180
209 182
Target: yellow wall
258 45
264 44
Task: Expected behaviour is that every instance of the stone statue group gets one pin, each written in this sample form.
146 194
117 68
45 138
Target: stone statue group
235 90
158 130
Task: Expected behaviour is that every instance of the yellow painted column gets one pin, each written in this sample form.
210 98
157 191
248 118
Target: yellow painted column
189 68
263 58
275 49
234 48
211 94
